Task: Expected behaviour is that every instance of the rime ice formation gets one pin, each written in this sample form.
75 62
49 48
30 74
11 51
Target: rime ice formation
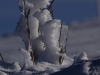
48 35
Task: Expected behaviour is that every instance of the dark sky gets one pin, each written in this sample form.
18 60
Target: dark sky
66 10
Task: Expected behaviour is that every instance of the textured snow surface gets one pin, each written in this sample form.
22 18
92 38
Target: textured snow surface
89 67
83 67
42 68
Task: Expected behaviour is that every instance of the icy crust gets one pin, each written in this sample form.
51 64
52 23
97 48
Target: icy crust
42 68
89 67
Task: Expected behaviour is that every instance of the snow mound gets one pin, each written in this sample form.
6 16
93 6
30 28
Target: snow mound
85 67
81 57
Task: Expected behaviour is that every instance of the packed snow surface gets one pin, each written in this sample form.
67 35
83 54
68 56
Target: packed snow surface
43 68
